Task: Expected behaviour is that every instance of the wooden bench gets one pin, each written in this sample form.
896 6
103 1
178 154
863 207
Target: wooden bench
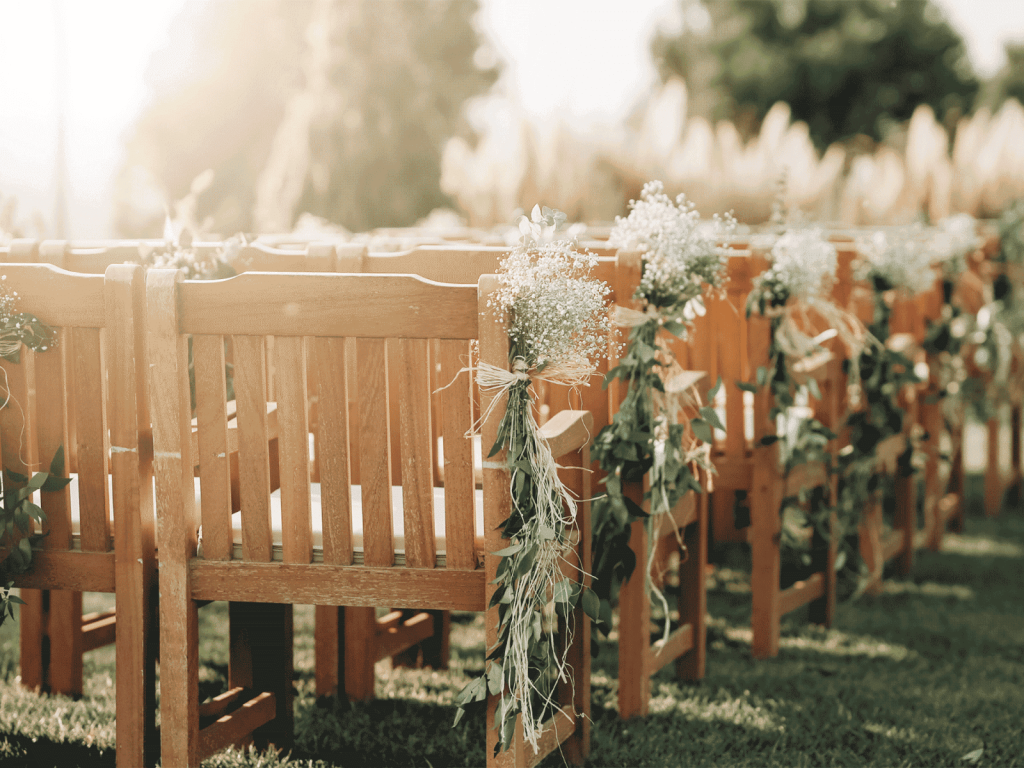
87 394
378 312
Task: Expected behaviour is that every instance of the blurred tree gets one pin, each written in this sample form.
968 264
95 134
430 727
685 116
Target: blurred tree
1008 83
336 107
845 67
218 91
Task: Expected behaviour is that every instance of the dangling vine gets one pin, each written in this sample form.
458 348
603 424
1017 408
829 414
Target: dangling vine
559 327
680 261
18 512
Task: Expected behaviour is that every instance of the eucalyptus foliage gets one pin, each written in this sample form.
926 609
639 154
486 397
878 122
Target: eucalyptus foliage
19 511
558 326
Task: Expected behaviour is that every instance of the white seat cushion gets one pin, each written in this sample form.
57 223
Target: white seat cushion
398 520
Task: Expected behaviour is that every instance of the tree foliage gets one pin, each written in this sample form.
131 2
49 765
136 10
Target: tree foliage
379 84
845 67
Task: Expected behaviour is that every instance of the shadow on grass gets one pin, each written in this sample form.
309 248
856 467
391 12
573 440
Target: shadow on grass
17 751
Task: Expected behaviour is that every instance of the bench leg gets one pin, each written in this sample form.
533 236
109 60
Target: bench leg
358 628
693 593
262 660
634 630
32 629
65 633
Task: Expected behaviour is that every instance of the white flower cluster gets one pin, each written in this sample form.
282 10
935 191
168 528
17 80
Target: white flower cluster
681 254
897 259
558 310
953 240
196 265
803 264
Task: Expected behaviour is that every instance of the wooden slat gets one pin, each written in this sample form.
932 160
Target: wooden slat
417 470
253 451
801 593
679 642
211 446
439 263
56 297
52 432
333 448
892 542
175 495
374 453
554 731
77 571
93 441
99 633
231 727
225 702
321 584
458 456
134 525
296 520
404 635
17 428
334 304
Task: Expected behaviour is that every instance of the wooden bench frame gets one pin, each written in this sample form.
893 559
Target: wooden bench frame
88 395
178 308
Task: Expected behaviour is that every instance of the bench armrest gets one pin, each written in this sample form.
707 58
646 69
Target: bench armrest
568 431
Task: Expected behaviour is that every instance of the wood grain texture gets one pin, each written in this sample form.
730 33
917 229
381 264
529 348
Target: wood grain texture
178 523
321 584
374 453
134 534
52 434
458 456
213 450
253 450
93 441
333 449
334 304
293 425
413 378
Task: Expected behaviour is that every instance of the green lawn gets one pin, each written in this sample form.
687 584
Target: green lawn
930 673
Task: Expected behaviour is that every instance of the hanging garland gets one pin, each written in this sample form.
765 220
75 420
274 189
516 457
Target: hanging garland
559 329
891 262
680 261
18 510
791 295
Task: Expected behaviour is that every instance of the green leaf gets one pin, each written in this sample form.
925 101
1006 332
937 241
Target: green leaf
37 481
701 430
563 591
591 604
494 679
57 463
762 376
675 328
713 392
711 416
812 387
509 551
747 386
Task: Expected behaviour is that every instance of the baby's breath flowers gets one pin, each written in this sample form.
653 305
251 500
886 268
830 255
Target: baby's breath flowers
558 311
681 254
558 327
182 254
953 240
896 259
803 267
17 328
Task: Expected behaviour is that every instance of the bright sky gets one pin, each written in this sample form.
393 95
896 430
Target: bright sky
582 59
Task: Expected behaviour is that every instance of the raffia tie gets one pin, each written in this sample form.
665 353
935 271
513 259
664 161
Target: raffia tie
795 343
549 496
